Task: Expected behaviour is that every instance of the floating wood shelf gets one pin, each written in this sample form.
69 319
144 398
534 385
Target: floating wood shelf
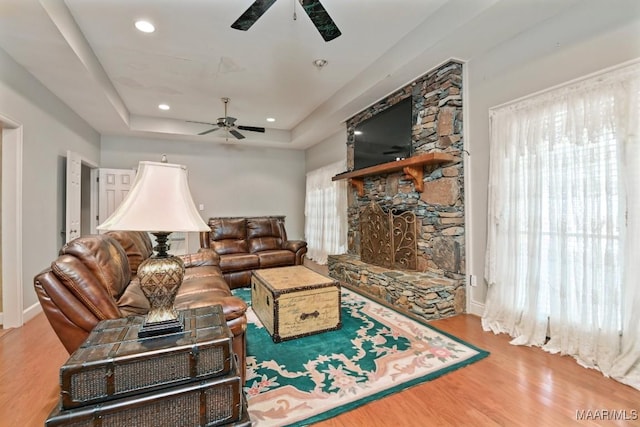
413 166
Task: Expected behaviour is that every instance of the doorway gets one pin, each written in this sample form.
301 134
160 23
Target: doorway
80 197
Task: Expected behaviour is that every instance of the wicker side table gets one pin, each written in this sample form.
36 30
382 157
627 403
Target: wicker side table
186 378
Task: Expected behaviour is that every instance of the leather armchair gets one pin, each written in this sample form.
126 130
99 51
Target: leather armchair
94 278
251 243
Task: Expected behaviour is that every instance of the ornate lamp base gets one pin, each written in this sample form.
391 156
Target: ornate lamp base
160 278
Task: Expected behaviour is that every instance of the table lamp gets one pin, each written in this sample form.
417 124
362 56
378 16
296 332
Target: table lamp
160 203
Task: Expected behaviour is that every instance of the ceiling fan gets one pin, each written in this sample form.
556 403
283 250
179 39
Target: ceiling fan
314 9
228 124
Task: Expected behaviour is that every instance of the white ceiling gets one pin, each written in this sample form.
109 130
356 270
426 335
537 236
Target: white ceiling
90 55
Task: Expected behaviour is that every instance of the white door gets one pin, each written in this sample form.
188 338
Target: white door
74 195
113 187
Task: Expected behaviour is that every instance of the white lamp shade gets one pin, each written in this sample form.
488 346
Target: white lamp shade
159 201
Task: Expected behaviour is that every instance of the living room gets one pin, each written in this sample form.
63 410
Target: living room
542 45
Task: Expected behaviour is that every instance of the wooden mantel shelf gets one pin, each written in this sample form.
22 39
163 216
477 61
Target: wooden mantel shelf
413 166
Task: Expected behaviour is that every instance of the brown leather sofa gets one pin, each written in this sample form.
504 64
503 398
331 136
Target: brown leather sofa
246 244
94 278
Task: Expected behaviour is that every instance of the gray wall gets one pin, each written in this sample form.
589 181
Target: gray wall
327 151
50 128
229 180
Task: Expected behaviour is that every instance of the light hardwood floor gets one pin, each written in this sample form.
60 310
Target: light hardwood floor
514 386
4 331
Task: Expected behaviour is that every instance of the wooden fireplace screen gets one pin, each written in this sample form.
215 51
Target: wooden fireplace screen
388 239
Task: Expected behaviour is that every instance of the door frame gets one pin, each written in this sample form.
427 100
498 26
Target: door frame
93 196
12 286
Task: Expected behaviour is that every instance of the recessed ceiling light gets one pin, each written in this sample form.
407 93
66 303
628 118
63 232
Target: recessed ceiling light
319 63
145 26
164 107
358 132
271 119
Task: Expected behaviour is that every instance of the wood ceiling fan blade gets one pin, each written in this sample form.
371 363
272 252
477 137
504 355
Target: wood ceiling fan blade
252 14
251 128
321 19
235 133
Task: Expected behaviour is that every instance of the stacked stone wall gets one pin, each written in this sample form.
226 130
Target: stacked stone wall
439 208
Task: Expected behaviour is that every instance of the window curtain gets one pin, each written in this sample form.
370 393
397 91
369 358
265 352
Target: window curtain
563 244
326 213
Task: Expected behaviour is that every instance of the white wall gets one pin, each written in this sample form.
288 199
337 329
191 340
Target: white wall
229 180
50 128
328 151
569 46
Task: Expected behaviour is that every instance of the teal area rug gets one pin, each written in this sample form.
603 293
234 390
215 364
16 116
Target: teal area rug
377 352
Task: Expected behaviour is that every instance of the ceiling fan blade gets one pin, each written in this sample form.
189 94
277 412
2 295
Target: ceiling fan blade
235 133
201 123
321 19
252 14
251 128
208 131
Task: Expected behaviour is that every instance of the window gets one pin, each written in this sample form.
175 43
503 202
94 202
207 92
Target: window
562 180
325 212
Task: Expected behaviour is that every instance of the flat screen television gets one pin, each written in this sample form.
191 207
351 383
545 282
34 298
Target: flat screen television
384 137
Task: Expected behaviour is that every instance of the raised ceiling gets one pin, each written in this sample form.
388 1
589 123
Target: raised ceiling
89 54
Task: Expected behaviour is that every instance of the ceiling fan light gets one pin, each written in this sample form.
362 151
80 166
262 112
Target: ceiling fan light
145 26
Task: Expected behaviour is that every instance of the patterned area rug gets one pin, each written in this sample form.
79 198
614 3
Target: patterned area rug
377 352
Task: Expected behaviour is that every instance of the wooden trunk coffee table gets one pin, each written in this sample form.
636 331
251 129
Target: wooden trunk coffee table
293 302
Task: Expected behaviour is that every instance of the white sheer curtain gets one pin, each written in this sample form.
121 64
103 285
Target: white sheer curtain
326 213
563 232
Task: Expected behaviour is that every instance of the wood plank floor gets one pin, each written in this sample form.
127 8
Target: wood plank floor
514 386
4 331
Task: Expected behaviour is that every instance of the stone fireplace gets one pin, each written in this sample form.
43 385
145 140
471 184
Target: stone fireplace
431 282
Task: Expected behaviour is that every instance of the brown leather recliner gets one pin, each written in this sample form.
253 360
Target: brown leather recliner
94 279
251 243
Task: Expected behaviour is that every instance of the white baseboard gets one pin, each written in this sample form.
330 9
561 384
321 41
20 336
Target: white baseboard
31 312
27 314
476 308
